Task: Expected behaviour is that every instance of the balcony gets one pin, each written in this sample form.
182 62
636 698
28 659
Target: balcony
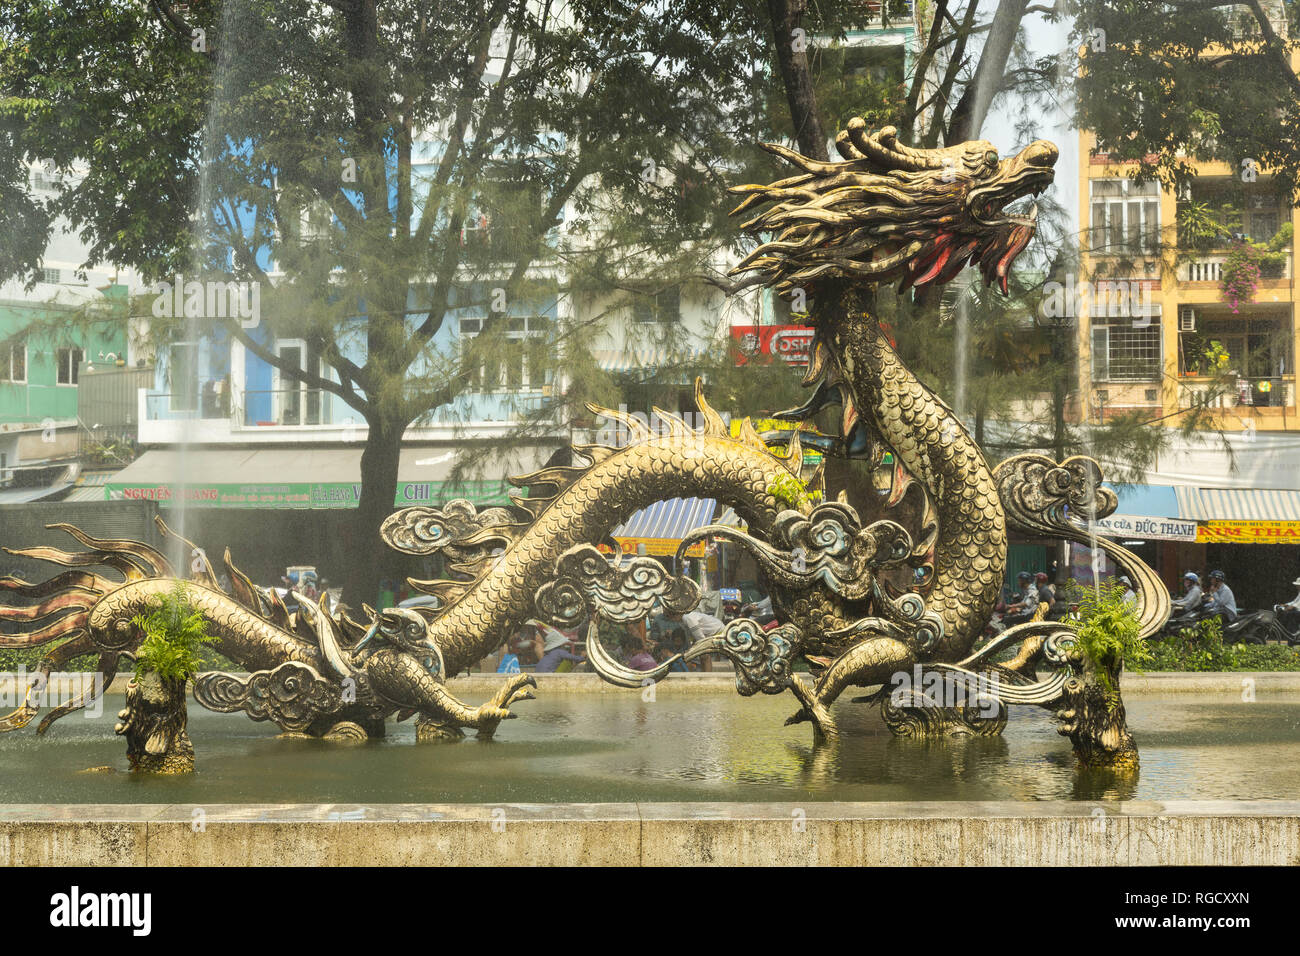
1264 394
1209 268
240 417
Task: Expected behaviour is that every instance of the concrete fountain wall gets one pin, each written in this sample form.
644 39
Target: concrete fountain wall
630 834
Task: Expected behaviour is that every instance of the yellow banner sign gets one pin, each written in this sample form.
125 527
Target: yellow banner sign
661 547
1248 532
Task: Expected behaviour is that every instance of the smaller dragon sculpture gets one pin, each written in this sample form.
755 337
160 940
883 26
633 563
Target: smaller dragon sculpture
316 671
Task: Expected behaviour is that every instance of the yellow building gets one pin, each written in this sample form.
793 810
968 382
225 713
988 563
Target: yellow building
1158 333
1154 323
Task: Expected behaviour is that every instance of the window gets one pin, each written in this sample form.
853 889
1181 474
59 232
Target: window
1257 348
67 361
298 403
13 362
664 307
1263 224
1125 217
46 179
1122 352
183 376
520 362
51 276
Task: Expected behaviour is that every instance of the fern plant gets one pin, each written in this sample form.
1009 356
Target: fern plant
1108 633
175 634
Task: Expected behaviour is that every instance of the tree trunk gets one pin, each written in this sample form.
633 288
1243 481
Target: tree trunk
792 60
971 110
370 561
154 724
1092 715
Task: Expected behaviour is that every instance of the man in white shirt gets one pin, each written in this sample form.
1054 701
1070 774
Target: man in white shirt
1289 614
699 626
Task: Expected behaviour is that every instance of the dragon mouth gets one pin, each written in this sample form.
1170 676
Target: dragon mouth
1027 173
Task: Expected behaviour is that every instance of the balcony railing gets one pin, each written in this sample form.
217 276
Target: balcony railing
1277 392
1209 268
168 406
282 406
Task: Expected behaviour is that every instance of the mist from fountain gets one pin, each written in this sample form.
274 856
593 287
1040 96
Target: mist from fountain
214 143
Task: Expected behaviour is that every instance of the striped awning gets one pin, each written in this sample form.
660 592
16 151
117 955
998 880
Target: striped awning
91 486
1238 504
619 360
662 526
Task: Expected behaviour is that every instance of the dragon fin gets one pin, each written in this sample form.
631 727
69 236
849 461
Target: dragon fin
242 588
714 426
203 574
749 436
637 431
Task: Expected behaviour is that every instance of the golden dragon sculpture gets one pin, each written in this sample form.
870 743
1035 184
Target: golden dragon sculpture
837 230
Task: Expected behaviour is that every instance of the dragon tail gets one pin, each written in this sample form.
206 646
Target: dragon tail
56 612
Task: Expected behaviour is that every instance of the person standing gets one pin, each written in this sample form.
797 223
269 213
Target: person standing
1130 596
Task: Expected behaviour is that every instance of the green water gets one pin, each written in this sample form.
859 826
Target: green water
612 748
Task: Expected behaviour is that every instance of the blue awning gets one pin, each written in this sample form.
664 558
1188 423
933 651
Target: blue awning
1153 501
1146 513
674 518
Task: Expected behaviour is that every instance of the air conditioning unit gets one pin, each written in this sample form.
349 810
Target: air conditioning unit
1186 319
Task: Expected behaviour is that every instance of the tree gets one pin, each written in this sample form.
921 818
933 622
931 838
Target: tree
279 142
1187 67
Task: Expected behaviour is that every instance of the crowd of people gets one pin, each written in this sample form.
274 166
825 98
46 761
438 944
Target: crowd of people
642 646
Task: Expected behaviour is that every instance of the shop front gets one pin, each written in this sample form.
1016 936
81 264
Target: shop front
282 507
1253 536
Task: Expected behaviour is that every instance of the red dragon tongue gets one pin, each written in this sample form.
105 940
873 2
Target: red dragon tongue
1020 237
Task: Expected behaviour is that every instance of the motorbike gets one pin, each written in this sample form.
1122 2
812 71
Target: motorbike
1259 627
1183 620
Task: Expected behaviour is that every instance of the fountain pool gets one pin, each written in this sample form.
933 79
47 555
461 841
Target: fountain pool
698 747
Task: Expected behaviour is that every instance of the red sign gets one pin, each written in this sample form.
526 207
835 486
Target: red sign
790 343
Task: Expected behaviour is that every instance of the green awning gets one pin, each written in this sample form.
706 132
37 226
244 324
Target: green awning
310 478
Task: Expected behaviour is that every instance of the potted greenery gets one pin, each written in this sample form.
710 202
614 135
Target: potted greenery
1091 713
154 719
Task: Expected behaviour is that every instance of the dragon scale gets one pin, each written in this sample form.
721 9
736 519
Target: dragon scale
934 446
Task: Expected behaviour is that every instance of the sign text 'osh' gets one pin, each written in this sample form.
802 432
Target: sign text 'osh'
791 344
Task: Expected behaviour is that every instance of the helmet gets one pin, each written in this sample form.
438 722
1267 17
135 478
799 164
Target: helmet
1040 578
1123 579
1296 582
1216 575
1024 576
1192 576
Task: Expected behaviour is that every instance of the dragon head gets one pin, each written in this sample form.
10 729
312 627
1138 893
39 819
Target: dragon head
888 211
